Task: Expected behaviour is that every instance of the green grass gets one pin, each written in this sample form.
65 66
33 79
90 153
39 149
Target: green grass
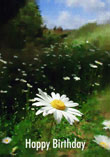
39 128
47 71
98 35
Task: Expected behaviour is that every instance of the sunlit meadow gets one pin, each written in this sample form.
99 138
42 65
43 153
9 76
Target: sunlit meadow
45 71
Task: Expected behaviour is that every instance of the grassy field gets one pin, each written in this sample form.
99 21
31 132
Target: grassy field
82 72
98 35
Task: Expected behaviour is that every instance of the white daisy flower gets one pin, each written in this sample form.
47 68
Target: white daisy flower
57 105
93 66
66 78
17 79
24 91
3 91
15 56
107 124
97 84
29 85
6 140
22 80
87 41
97 62
103 141
1 60
76 78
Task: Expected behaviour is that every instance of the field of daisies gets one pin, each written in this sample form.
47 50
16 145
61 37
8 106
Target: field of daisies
61 93
51 89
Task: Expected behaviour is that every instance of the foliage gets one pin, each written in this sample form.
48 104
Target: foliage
25 27
48 39
38 128
9 9
47 70
53 69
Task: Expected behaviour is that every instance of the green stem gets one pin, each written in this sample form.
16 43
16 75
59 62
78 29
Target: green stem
50 130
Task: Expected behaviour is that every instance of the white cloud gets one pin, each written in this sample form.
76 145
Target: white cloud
87 5
99 8
103 17
65 20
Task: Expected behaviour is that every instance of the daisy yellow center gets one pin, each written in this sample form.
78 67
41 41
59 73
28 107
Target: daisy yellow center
103 144
6 140
58 104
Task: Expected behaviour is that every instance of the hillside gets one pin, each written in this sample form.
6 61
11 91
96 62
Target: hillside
98 35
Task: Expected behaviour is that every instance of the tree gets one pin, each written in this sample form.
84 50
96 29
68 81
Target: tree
29 20
25 26
9 9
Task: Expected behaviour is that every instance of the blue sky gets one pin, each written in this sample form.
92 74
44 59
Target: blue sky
72 14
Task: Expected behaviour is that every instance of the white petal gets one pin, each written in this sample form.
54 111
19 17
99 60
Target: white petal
45 113
33 100
43 95
70 104
63 96
68 118
48 111
52 110
37 104
57 96
53 95
74 110
46 98
40 104
39 112
65 100
43 109
45 103
58 116
72 116
74 113
75 118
